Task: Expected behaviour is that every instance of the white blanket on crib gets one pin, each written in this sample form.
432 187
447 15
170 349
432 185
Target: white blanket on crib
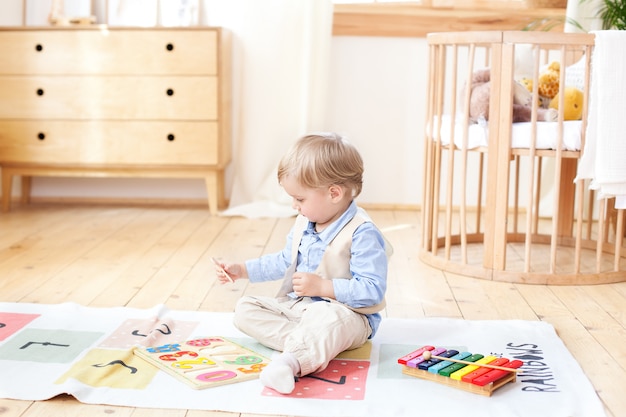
546 137
604 159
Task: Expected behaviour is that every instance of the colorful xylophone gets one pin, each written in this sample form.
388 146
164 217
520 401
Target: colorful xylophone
478 378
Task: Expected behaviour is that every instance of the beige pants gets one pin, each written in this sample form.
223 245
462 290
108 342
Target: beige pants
315 332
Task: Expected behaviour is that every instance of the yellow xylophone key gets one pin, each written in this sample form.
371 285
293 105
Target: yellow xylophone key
469 368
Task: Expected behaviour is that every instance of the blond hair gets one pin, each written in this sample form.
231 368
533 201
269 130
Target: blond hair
320 160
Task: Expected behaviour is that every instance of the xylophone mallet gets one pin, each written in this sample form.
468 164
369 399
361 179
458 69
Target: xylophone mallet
222 270
427 355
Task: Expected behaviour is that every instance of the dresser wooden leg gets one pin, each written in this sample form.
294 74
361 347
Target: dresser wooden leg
213 191
27 182
7 181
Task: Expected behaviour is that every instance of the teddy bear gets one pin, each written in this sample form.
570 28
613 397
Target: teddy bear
480 93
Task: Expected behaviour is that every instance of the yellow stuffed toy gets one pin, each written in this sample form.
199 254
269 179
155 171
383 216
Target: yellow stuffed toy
549 81
573 101
548 89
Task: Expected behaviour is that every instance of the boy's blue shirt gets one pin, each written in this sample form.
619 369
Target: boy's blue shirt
368 263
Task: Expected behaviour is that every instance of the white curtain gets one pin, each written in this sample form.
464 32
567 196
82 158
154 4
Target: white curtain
281 62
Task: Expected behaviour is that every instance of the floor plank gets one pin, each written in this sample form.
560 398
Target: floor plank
12 408
67 406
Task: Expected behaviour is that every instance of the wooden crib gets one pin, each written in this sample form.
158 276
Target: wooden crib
499 198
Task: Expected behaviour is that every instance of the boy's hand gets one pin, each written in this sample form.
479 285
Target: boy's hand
306 284
228 272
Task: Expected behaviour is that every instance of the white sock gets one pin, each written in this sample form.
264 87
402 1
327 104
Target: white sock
279 374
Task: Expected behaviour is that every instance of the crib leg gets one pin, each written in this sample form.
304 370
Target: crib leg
566 197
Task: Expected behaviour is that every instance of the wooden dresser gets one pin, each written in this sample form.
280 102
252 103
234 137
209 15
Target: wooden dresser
123 102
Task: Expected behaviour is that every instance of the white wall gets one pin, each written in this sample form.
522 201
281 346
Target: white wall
376 97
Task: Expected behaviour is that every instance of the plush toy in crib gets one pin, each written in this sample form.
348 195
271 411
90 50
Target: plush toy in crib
549 81
547 85
573 101
528 83
480 94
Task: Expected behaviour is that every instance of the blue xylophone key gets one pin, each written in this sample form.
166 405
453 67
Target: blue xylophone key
444 364
427 364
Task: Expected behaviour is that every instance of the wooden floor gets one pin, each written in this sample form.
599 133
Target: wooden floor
138 257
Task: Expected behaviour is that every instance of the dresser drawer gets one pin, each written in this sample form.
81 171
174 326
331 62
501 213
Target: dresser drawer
110 142
110 97
103 51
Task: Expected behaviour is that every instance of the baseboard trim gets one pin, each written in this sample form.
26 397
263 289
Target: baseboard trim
116 201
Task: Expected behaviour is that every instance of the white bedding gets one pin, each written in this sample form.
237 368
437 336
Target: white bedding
547 134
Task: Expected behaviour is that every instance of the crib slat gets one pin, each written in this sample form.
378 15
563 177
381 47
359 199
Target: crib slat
619 236
438 104
592 195
600 238
532 215
451 152
463 207
579 226
499 151
428 154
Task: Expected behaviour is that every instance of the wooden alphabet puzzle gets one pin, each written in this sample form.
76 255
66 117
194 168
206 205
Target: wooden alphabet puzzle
205 362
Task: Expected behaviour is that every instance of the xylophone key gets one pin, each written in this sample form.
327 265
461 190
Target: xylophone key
403 360
495 374
427 364
481 371
436 368
413 363
457 375
450 369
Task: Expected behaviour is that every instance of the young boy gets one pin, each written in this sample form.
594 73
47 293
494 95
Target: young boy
334 266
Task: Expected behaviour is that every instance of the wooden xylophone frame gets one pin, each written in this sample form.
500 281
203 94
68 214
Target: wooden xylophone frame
486 390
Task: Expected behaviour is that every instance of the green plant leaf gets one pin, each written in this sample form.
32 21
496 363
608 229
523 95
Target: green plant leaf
612 13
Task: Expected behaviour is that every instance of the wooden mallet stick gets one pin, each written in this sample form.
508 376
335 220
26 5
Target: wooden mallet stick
222 270
427 355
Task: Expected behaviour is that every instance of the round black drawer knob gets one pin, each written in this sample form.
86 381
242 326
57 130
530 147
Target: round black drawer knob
171 137
170 92
41 136
169 47
40 92
39 47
